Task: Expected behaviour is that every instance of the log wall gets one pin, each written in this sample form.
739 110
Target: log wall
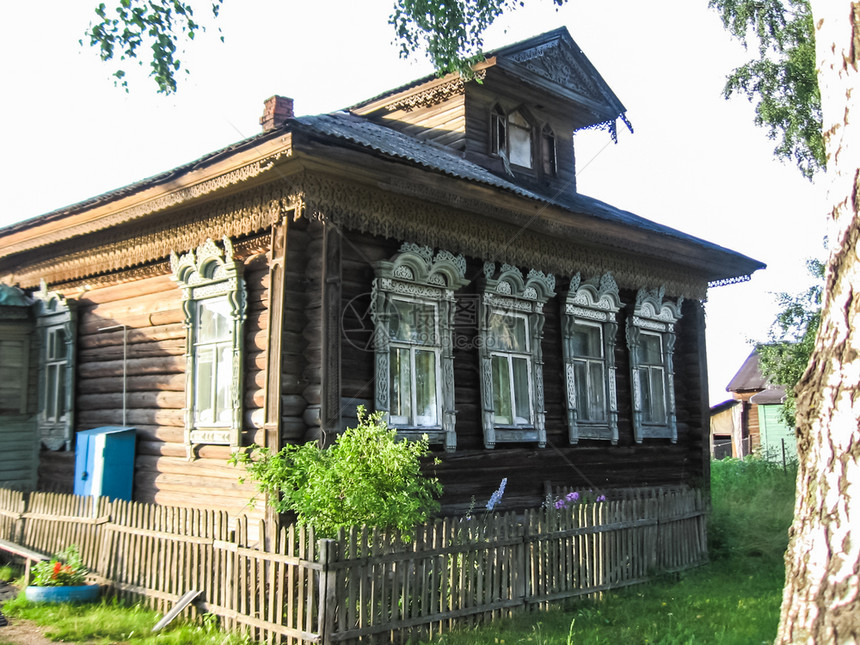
472 470
156 389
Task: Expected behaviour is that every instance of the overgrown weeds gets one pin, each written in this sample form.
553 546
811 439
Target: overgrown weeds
734 600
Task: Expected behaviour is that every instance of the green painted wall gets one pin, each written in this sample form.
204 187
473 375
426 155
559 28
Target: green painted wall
773 433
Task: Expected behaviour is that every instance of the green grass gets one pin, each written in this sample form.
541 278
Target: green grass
113 622
734 600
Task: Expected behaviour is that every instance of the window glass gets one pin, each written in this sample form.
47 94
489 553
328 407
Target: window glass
412 322
587 341
401 400
425 389
520 145
650 349
508 332
502 391
213 362
522 398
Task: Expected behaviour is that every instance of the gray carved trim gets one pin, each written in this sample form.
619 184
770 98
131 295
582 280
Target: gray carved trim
415 272
208 271
656 315
595 300
53 310
437 217
508 290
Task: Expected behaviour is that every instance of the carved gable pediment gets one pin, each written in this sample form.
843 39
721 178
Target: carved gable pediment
558 62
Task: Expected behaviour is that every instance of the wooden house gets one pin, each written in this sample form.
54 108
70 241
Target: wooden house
424 253
758 428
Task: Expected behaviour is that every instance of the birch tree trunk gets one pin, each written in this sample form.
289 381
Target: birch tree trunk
821 600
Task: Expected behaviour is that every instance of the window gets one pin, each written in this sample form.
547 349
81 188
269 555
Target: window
56 330
413 314
651 340
510 353
511 137
520 140
213 297
589 329
498 131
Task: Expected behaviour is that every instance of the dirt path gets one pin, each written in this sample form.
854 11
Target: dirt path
19 632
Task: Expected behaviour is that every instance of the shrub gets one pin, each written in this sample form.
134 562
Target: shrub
367 477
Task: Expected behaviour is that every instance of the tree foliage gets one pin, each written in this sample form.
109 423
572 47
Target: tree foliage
367 477
122 33
781 79
449 32
784 358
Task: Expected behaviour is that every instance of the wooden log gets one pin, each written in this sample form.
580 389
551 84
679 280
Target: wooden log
105 401
92 324
214 466
112 293
145 416
141 350
254 398
133 367
156 382
175 331
160 434
292 405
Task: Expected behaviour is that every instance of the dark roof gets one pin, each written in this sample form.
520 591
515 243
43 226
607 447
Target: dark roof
396 145
773 394
748 378
725 405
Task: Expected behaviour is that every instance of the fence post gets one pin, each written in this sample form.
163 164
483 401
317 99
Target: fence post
327 590
522 560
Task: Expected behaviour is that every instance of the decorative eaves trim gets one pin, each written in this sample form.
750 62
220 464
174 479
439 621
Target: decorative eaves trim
159 203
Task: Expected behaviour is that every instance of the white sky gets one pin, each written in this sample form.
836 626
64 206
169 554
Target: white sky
695 162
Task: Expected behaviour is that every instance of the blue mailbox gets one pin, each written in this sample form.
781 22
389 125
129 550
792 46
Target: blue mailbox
104 462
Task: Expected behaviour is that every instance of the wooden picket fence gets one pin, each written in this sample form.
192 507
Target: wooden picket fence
364 586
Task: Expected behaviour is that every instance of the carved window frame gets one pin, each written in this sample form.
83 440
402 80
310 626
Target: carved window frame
498 131
416 275
655 317
211 273
507 292
593 303
55 316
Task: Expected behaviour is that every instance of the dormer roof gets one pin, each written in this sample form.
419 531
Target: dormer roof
552 63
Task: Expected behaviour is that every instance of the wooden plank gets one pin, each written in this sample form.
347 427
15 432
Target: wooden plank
183 602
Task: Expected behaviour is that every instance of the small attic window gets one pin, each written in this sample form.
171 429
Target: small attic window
498 131
548 152
520 140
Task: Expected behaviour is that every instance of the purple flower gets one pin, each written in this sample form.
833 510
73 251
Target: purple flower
572 497
560 504
496 497
601 498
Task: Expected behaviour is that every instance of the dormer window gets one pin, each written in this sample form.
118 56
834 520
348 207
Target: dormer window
548 152
511 137
519 140
498 131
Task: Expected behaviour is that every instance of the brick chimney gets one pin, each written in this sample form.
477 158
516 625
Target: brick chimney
276 111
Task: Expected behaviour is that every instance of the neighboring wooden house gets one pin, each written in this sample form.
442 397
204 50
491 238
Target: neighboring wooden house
757 428
424 253
725 429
